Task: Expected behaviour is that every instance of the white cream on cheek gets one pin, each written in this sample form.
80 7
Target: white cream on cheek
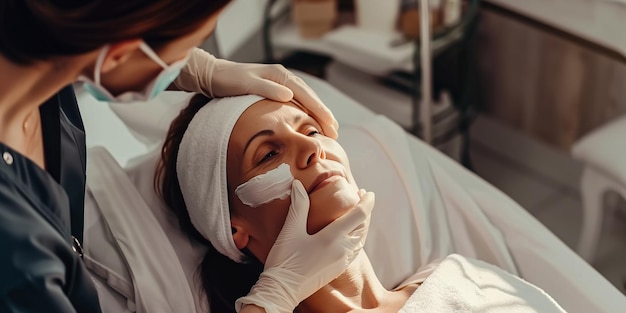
261 189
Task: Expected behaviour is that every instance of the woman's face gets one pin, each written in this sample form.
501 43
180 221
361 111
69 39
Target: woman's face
271 133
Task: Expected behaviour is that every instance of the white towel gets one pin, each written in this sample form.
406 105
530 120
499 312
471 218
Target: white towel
201 168
468 285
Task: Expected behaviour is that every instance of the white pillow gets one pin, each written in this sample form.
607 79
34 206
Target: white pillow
142 251
132 135
190 254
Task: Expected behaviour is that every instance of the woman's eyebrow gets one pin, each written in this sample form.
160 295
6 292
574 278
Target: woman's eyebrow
269 132
266 132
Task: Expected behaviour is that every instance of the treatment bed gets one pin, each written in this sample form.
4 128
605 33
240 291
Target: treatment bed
427 207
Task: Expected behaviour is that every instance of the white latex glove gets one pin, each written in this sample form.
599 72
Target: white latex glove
300 264
221 78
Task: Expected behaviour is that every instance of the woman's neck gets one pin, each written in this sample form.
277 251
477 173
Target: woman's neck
356 289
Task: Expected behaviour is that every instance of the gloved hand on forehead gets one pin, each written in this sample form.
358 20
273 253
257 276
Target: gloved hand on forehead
221 78
300 264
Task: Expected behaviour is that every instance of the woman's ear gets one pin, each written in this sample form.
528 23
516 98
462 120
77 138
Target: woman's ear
240 234
119 52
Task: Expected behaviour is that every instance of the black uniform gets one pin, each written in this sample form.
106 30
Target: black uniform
41 218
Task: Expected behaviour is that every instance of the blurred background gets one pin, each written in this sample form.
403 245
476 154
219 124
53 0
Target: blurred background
530 95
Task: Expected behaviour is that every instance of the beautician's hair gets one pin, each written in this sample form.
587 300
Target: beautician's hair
33 30
223 280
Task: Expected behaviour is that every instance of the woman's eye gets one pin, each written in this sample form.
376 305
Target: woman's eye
268 156
313 132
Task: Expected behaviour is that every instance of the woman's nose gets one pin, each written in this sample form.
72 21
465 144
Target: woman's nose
310 151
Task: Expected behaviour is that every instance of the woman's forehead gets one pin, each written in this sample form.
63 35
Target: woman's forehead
263 115
268 110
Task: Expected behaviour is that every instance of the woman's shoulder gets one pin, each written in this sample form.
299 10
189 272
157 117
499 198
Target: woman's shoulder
420 275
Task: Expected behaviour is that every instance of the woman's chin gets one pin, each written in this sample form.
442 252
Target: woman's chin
331 202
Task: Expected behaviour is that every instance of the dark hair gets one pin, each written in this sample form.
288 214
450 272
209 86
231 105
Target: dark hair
32 30
223 280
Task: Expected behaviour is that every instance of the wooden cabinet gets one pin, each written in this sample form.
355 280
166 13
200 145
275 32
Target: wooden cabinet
548 85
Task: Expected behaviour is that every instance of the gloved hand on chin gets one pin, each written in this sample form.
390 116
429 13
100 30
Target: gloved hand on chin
299 264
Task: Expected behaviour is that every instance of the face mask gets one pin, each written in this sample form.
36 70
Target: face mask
160 83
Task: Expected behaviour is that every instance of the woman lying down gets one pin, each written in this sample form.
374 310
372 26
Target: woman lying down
276 152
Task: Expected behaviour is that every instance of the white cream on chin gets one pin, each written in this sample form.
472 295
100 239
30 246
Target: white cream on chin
261 189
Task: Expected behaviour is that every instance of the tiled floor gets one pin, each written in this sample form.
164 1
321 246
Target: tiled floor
557 206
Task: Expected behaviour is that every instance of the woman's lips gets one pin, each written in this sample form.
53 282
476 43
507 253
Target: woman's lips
324 179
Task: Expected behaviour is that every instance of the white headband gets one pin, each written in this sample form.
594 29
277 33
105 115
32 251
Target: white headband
201 168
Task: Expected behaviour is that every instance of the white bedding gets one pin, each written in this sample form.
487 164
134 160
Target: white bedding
463 285
536 254
428 206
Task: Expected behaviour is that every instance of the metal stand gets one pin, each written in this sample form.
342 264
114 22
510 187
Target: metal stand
426 124
424 114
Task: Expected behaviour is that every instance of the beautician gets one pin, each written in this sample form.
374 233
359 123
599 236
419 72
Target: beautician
123 51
